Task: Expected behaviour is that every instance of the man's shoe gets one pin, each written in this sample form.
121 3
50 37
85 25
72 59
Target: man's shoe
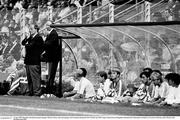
47 96
52 96
8 94
43 96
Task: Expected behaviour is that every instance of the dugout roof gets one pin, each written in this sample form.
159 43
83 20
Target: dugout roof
130 46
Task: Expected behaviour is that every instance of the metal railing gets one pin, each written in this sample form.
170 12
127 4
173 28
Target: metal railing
134 9
107 13
136 5
73 12
142 12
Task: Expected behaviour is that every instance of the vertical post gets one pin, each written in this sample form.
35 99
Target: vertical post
136 4
143 13
79 15
90 11
111 13
147 11
50 12
147 18
111 20
60 70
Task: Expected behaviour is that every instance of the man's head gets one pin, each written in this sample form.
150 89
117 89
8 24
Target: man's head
81 72
173 79
20 65
48 25
145 77
115 73
34 29
101 76
156 77
84 72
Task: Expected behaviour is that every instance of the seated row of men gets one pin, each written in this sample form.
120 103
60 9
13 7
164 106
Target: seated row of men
153 89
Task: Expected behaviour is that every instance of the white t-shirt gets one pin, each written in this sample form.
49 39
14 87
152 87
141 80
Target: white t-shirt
173 95
162 91
170 97
86 88
76 85
177 95
106 86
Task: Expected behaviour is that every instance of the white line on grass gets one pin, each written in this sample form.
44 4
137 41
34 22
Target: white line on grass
56 110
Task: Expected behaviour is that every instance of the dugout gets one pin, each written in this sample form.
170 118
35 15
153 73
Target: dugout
129 46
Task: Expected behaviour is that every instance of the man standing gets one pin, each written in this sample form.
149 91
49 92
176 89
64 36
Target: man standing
34 48
52 55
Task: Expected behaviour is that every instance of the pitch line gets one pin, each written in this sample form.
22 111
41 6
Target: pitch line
56 110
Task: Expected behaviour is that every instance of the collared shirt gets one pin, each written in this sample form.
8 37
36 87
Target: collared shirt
86 88
170 97
162 90
106 86
177 95
173 95
76 86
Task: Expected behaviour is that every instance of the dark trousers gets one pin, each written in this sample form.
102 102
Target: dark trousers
52 68
34 79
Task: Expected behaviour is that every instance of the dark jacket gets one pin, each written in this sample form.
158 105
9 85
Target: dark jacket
52 48
34 49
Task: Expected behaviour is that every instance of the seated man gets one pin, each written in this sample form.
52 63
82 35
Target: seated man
116 87
161 87
173 97
86 88
16 77
141 94
104 85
